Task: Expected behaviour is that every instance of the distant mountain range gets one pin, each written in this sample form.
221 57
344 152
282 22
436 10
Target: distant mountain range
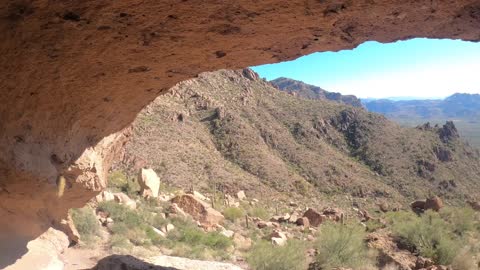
305 90
455 106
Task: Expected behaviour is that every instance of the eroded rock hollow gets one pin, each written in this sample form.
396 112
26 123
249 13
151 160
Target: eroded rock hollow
73 74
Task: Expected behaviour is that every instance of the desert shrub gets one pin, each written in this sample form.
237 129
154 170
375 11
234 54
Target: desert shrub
461 219
374 224
259 212
233 213
86 223
121 214
342 246
464 261
119 182
429 235
265 256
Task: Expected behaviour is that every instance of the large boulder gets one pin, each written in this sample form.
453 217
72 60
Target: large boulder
123 199
200 211
149 183
314 217
433 203
104 196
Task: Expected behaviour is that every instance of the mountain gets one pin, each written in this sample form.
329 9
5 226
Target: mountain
230 130
463 109
304 90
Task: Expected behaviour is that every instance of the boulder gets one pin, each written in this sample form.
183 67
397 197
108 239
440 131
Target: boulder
227 233
241 242
384 207
68 227
175 210
262 224
278 241
241 195
433 203
123 199
199 196
149 183
104 196
168 228
199 210
303 221
423 263
418 206
314 217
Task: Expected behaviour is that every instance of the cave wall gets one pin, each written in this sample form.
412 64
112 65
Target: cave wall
75 72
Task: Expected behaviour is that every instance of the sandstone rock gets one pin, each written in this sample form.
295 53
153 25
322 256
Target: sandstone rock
262 224
104 196
303 221
199 196
422 263
241 195
241 242
418 206
384 207
175 210
434 203
278 241
68 227
227 233
314 217
123 199
159 232
200 211
149 183
43 252
388 249
168 228
75 104
293 218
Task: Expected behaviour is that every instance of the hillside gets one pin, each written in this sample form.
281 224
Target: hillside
304 90
231 130
462 109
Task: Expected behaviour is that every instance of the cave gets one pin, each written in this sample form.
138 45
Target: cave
74 74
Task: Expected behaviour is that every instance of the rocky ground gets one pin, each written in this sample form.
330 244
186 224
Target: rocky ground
242 231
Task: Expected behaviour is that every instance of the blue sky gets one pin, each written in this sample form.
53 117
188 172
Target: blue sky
415 68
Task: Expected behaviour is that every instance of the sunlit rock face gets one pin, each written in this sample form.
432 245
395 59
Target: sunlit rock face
74 72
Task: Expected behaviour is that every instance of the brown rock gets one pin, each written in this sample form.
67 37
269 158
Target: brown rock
68 227
434 203
149 183
303 221
418 205
199 210
314 217
241 242
123 199
423 263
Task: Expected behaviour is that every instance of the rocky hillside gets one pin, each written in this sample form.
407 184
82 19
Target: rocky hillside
455 106
463 109
230 131
304 90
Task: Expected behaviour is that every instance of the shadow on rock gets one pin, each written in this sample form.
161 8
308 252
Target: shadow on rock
126 262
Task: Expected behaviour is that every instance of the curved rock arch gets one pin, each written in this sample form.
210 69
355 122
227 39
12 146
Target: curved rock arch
75 73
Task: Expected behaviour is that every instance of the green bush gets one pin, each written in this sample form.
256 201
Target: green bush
119 182
265 256
259 212
233 213
342 246
428 234
86 223
461 220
